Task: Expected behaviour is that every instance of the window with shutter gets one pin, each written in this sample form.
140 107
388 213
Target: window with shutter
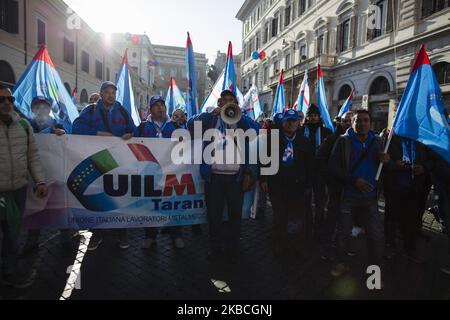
69 51
12 16
287 16
287 62
85 61
432 6
427 8
276 68
338 38
301 7
275 26
98 70
442 70
303 54
266 74
345 35
320 43
3 23
385 13
353 33
41 38
9 16
266 33
390 16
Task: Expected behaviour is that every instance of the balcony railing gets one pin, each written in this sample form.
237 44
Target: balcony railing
326 60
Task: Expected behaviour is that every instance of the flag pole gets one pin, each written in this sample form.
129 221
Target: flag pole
391 133
386 148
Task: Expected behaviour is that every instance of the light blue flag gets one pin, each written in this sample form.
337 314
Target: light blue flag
125 93
322 101
174 98
346 106
41 79
421 115
226 81
280 101
252 105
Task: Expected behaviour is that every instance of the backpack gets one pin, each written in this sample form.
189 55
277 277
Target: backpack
124 113
26 127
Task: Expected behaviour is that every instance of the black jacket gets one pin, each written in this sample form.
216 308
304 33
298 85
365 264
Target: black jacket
324 152
339 164
324 134
394 176
300 174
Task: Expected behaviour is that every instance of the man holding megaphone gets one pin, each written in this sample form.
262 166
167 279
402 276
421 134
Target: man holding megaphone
224 182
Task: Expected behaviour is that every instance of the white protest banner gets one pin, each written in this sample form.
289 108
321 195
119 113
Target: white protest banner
106 182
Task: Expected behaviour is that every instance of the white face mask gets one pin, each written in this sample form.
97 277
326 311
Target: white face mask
41 113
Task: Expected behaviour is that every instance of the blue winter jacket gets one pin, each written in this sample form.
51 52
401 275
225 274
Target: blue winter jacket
210 122
95 118
148 129
46 128
346 153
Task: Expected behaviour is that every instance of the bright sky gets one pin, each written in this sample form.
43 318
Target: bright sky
211 23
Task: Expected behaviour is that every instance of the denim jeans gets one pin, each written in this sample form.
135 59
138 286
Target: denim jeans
372 222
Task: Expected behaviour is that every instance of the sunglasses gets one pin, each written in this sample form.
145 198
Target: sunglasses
11 99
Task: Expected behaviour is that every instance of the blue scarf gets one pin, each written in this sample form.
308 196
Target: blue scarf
288 157
159 129
223 130
308 133
409 151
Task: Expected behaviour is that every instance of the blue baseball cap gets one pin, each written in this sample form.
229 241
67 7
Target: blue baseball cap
278 119
107 84
290 114
41 99
155 99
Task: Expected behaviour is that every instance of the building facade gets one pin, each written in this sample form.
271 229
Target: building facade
82 57
141 57
171 63
219 65
363 45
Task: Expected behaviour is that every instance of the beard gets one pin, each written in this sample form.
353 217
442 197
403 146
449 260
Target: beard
6 113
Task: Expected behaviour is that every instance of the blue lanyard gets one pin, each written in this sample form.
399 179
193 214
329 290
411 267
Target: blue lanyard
409 151
308 133
288 157
158 128
223 127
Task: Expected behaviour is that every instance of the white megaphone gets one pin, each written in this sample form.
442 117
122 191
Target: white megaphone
231 113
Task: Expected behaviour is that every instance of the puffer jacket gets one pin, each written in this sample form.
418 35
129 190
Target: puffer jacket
18 155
